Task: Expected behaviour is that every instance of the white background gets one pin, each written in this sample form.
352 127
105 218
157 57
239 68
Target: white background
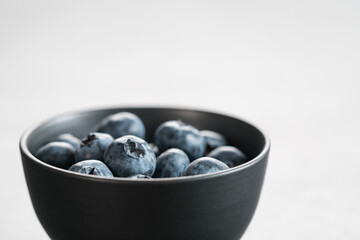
291 67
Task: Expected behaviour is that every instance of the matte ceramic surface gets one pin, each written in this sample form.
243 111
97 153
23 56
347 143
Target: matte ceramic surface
216 206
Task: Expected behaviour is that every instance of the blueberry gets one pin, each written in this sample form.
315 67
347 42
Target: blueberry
229 155
154 148
130 155
171 163
213 139
92 167
204 165
139 176
69 138
176 134
121 124
58 154
93 146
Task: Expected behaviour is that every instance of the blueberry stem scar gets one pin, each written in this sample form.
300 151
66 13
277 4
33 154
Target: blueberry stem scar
92 171
88 140
137 151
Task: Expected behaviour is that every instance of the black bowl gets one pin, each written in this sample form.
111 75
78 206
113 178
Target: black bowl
217 206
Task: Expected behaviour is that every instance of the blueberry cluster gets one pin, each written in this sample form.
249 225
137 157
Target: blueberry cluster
116 148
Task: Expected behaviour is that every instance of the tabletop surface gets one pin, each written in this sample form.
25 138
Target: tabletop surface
290 67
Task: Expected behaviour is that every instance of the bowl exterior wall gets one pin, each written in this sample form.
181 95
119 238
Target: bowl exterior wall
73 207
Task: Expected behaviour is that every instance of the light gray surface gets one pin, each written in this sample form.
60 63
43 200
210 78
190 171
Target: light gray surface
291 67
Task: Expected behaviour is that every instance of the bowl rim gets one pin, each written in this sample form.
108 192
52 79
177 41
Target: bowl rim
25 151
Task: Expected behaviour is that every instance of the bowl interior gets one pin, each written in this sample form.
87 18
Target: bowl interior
238 133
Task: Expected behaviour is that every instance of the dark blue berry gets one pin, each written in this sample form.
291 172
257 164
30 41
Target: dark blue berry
58 154
130 155
229 155
122 124
93 146
139 176
92 167
213 139
69 138
204 165
171 163
176 134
